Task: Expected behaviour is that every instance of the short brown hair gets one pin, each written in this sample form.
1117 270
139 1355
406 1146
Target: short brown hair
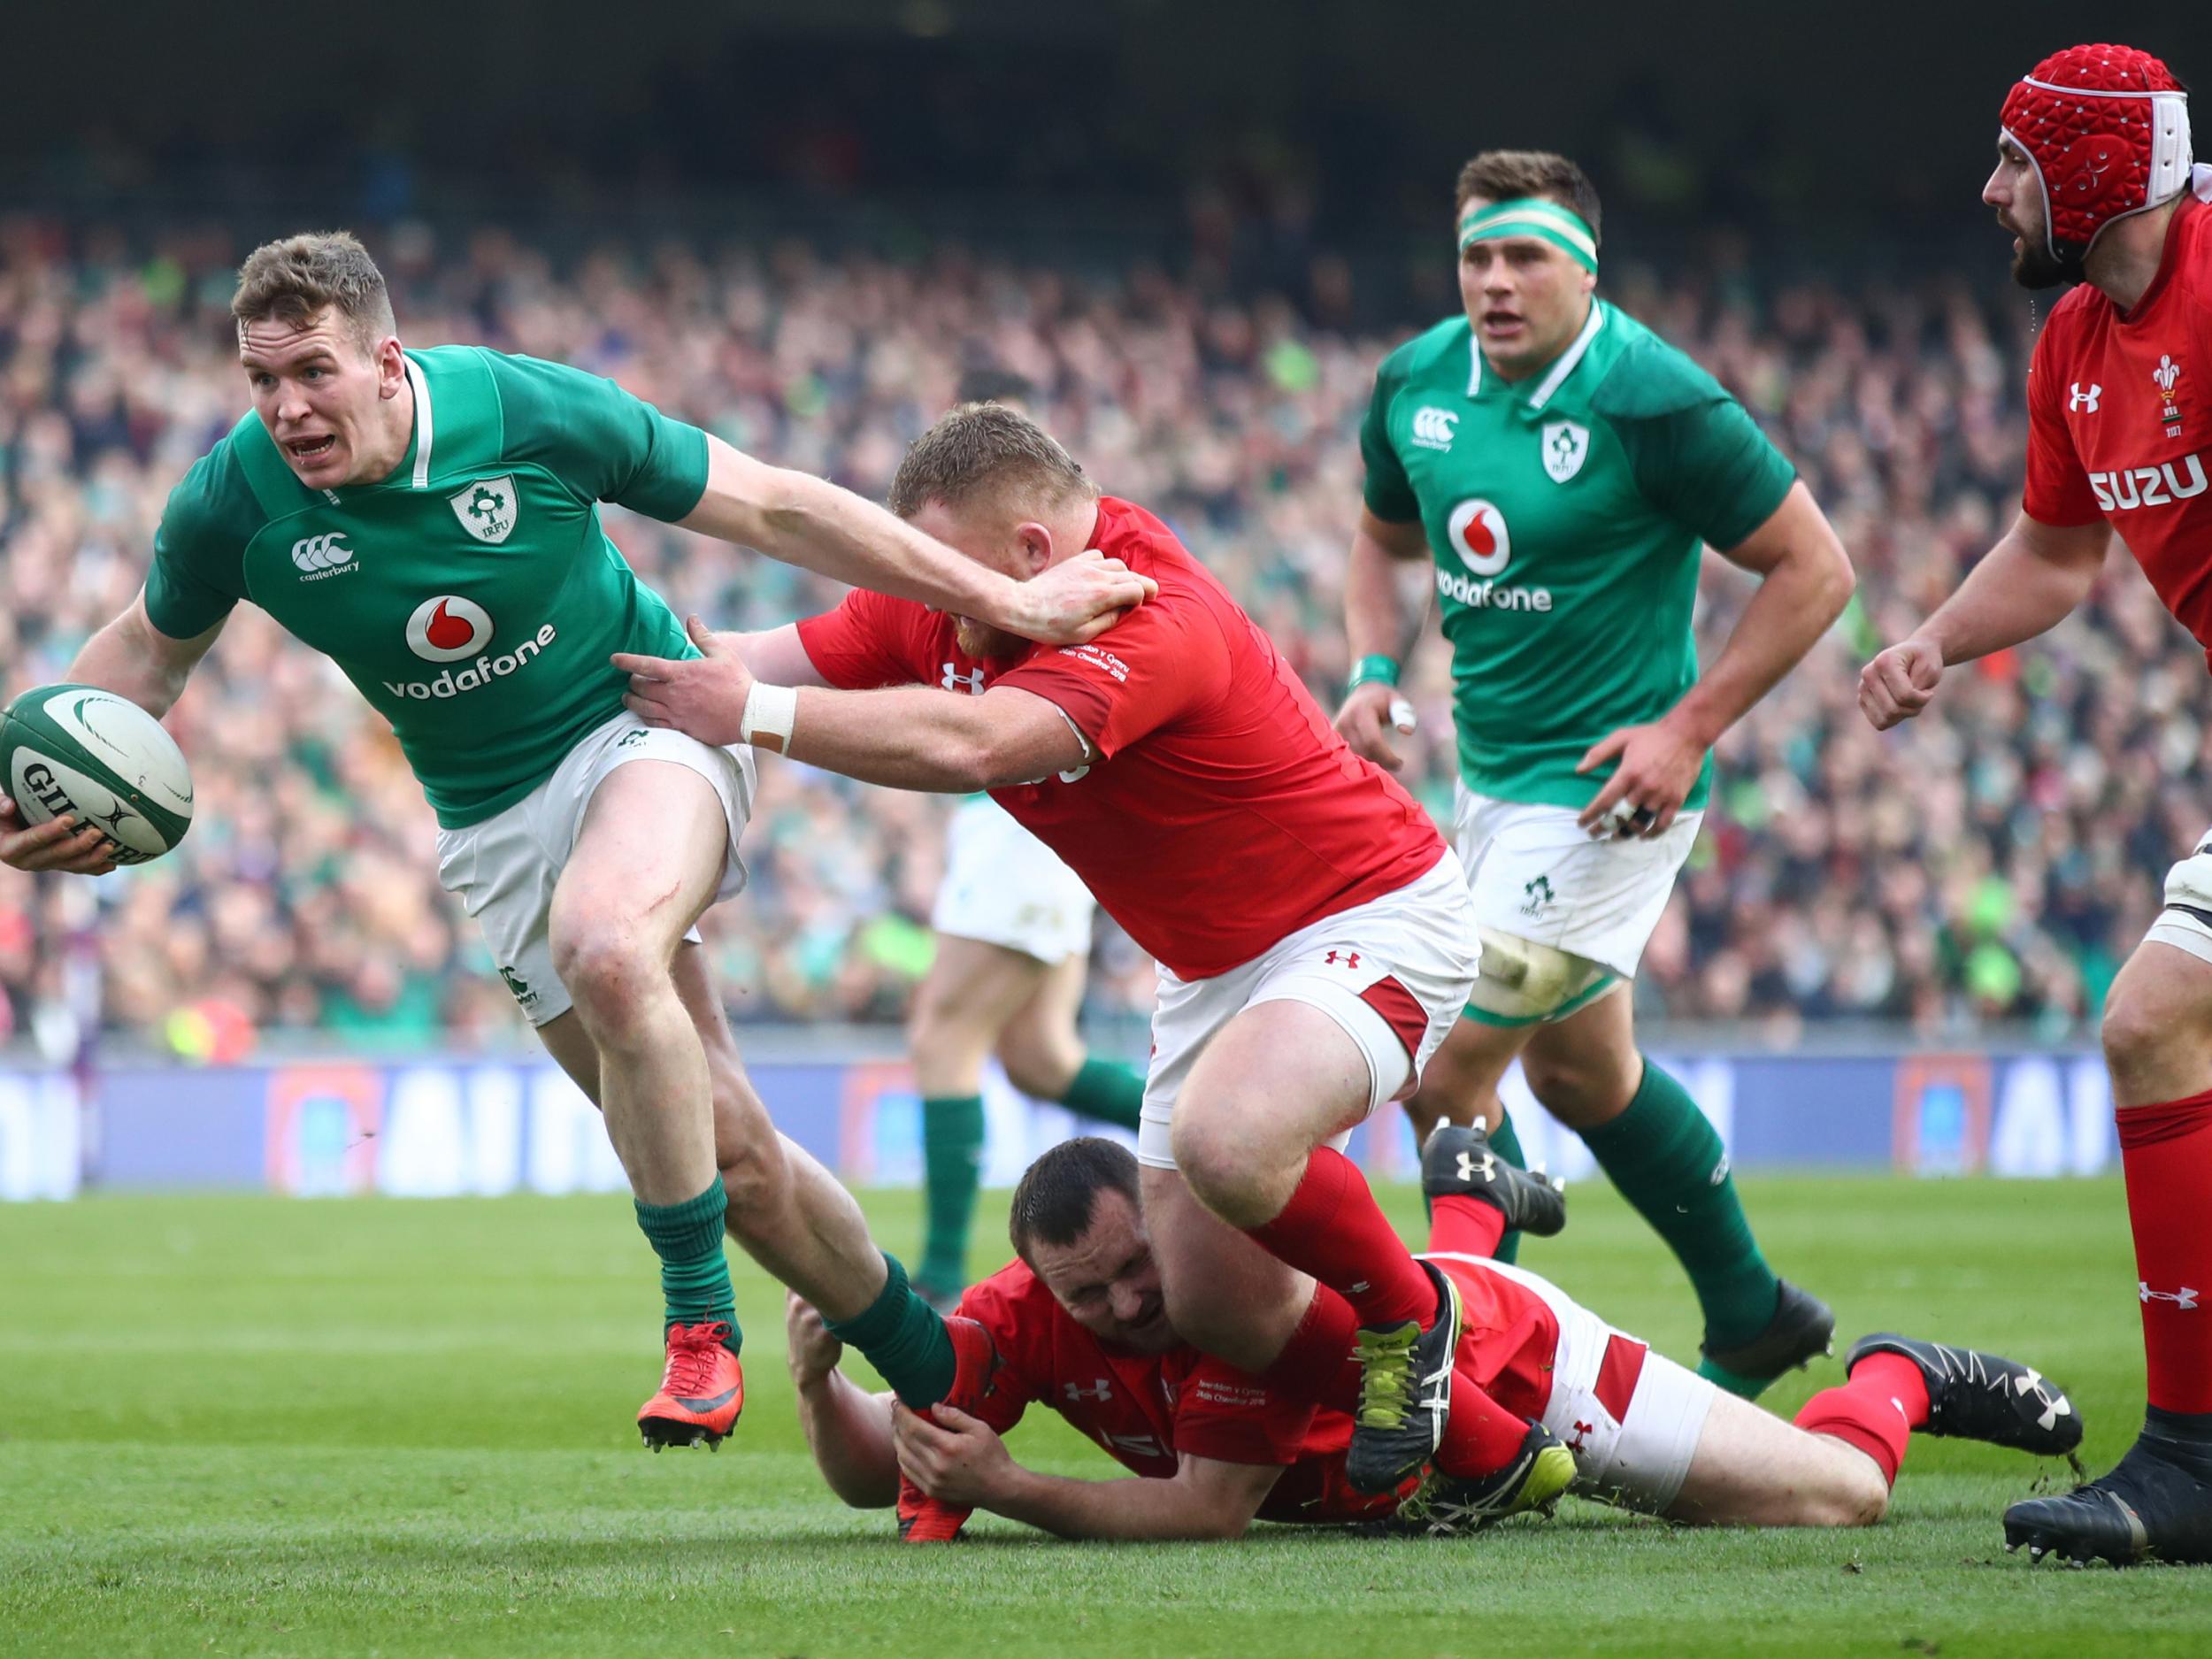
1499 176
1057 1195
295 279
985 449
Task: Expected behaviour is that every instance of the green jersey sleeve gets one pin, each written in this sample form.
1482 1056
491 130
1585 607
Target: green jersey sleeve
1698 457
199 568
1388 492
600 441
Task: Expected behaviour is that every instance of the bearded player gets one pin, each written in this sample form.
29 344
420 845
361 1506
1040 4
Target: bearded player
1313 931
1013 947
430 521
1079 1327
2093 181
1563 467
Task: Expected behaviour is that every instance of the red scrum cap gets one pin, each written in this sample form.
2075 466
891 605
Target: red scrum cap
2108 129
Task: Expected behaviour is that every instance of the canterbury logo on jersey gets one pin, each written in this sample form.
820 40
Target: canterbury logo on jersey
320 556
1432 428
2149 486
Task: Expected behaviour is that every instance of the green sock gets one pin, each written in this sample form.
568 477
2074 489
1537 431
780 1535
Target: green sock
1667 1161
1112 1093
952 1169
1507 1144
904 1339
695 1273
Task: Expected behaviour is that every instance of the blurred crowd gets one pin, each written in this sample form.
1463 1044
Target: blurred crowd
1993 862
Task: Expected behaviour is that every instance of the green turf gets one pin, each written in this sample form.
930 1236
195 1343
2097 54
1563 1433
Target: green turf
250 1427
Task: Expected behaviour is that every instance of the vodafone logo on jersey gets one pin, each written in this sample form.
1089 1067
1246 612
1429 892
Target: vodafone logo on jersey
1479 536
448 629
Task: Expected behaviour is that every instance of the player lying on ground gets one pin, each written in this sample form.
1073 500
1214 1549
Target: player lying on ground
1564 467
430 519
2093 181
1012 949
1078 1325
1315 935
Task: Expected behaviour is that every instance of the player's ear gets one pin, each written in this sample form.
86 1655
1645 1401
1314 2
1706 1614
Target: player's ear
391 366
1034 542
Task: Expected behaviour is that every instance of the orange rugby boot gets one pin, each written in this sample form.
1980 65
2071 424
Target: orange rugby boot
921 1518
701 1393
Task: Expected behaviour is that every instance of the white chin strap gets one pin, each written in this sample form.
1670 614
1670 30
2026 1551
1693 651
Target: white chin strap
2169 146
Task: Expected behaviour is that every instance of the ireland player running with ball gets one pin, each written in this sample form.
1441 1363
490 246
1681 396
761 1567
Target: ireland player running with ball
1561 465
430 521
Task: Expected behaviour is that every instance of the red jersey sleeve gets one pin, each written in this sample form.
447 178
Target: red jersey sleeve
1165 656
867 641
2057 491
1231 1417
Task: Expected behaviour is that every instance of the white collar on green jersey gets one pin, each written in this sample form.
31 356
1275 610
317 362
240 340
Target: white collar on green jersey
416 378
1563 365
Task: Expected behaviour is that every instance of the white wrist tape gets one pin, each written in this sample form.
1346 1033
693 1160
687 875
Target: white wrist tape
771 711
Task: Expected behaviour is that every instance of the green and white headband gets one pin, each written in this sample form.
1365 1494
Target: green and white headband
1533 216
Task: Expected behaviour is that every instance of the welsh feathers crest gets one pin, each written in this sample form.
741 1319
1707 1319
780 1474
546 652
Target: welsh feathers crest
486 509
1566 446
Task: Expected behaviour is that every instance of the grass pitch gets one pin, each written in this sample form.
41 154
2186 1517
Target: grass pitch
254 1426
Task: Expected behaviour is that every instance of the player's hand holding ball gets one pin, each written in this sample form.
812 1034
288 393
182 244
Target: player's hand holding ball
1371 712
1900 683
92 781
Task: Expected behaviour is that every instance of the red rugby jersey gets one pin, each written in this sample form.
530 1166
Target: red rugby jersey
2120 417
1223 813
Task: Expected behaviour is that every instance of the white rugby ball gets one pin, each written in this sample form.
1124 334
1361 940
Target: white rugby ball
87 754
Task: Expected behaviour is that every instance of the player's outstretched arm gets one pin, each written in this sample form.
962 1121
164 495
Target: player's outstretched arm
911 737
847 1428
958 1460
135 659
2026 585
1805 580
1380 627
811 522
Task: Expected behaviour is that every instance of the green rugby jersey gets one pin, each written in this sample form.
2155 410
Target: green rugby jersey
472 596
1566 513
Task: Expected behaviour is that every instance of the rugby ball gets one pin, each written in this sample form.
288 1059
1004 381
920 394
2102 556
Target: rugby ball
87 754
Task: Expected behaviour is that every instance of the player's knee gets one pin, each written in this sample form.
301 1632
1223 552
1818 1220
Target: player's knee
609 972
1574 1083
1215 1162
1037 1065
2148 1022
1858 1498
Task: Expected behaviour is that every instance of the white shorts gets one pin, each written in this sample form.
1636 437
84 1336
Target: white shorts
1393 973
503 870
1538 875
2186 921
1004 887
1630 1417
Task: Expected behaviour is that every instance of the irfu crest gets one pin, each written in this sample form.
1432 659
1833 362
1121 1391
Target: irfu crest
486 509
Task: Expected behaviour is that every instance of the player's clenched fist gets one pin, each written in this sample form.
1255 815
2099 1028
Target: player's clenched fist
1374 715
60 843
809 1349
1899 683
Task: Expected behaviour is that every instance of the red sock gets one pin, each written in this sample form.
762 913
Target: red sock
1877 1411
1480 1436
1333 1229
2167 1153
1461 1226
1318 1363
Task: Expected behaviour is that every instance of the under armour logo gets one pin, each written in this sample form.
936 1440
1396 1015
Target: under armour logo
1485 1171
1350 959
1101 1390
2185 1297
955 681
2084 400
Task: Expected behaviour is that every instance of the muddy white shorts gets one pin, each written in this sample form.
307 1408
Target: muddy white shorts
1393 973
504 869
2186 922
1630 1417
1004 887
1538 875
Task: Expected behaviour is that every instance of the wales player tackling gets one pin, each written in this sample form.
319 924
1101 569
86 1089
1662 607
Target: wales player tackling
1561 465
429 519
